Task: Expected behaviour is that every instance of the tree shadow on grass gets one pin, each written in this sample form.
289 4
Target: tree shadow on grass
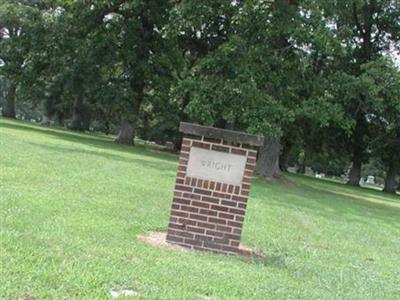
158 165
332 205
344 189
97 141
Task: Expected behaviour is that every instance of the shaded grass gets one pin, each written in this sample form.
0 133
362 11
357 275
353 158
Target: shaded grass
71 206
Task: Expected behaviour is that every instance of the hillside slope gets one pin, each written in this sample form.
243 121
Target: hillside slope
72 205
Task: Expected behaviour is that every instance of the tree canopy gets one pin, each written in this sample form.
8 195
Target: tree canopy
317 78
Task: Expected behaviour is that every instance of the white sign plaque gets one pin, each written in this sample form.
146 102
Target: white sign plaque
216 166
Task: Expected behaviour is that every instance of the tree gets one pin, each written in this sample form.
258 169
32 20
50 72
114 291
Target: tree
381 81
19 24
366 29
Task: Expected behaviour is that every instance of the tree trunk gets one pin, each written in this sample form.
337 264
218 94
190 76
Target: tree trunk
77 115
284 159
391 180
126 134
302 167
268 159
9 110
358 152
355 172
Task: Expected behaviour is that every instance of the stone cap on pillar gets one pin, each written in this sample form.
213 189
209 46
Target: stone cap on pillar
224 134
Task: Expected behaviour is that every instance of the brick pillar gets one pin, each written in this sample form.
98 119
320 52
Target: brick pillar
208 214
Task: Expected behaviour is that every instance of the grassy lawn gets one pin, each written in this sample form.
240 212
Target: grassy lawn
72 206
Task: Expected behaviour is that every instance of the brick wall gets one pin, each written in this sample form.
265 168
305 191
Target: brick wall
209 215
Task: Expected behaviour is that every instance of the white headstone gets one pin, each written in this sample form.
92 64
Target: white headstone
216 166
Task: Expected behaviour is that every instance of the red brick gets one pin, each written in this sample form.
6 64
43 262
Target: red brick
216 220
183 188
189 208
202 192
250 169
200 204
235 224
216 209
230 249
239 218
177 226
185 149
251 160
242 205
206 225
177 194
184 234
181 174
195 229
237 190
228 203
173 219
185 222
237 231
252 154
215 233
203 237
226 216
171 232
222 241
200 145
239 199
205 184
220 148
210 199
248 173
212 245
182 161
191 196
220 208
194 242
238 151
172 238
184 155
245 186
246 179
198 217
235 243
224 228
221 195
182 168
186 142
179 213
180 181
208 212
232 236
237 211
212 185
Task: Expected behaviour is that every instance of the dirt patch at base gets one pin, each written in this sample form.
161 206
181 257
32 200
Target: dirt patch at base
159 240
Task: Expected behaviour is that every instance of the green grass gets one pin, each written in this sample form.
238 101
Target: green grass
72 206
